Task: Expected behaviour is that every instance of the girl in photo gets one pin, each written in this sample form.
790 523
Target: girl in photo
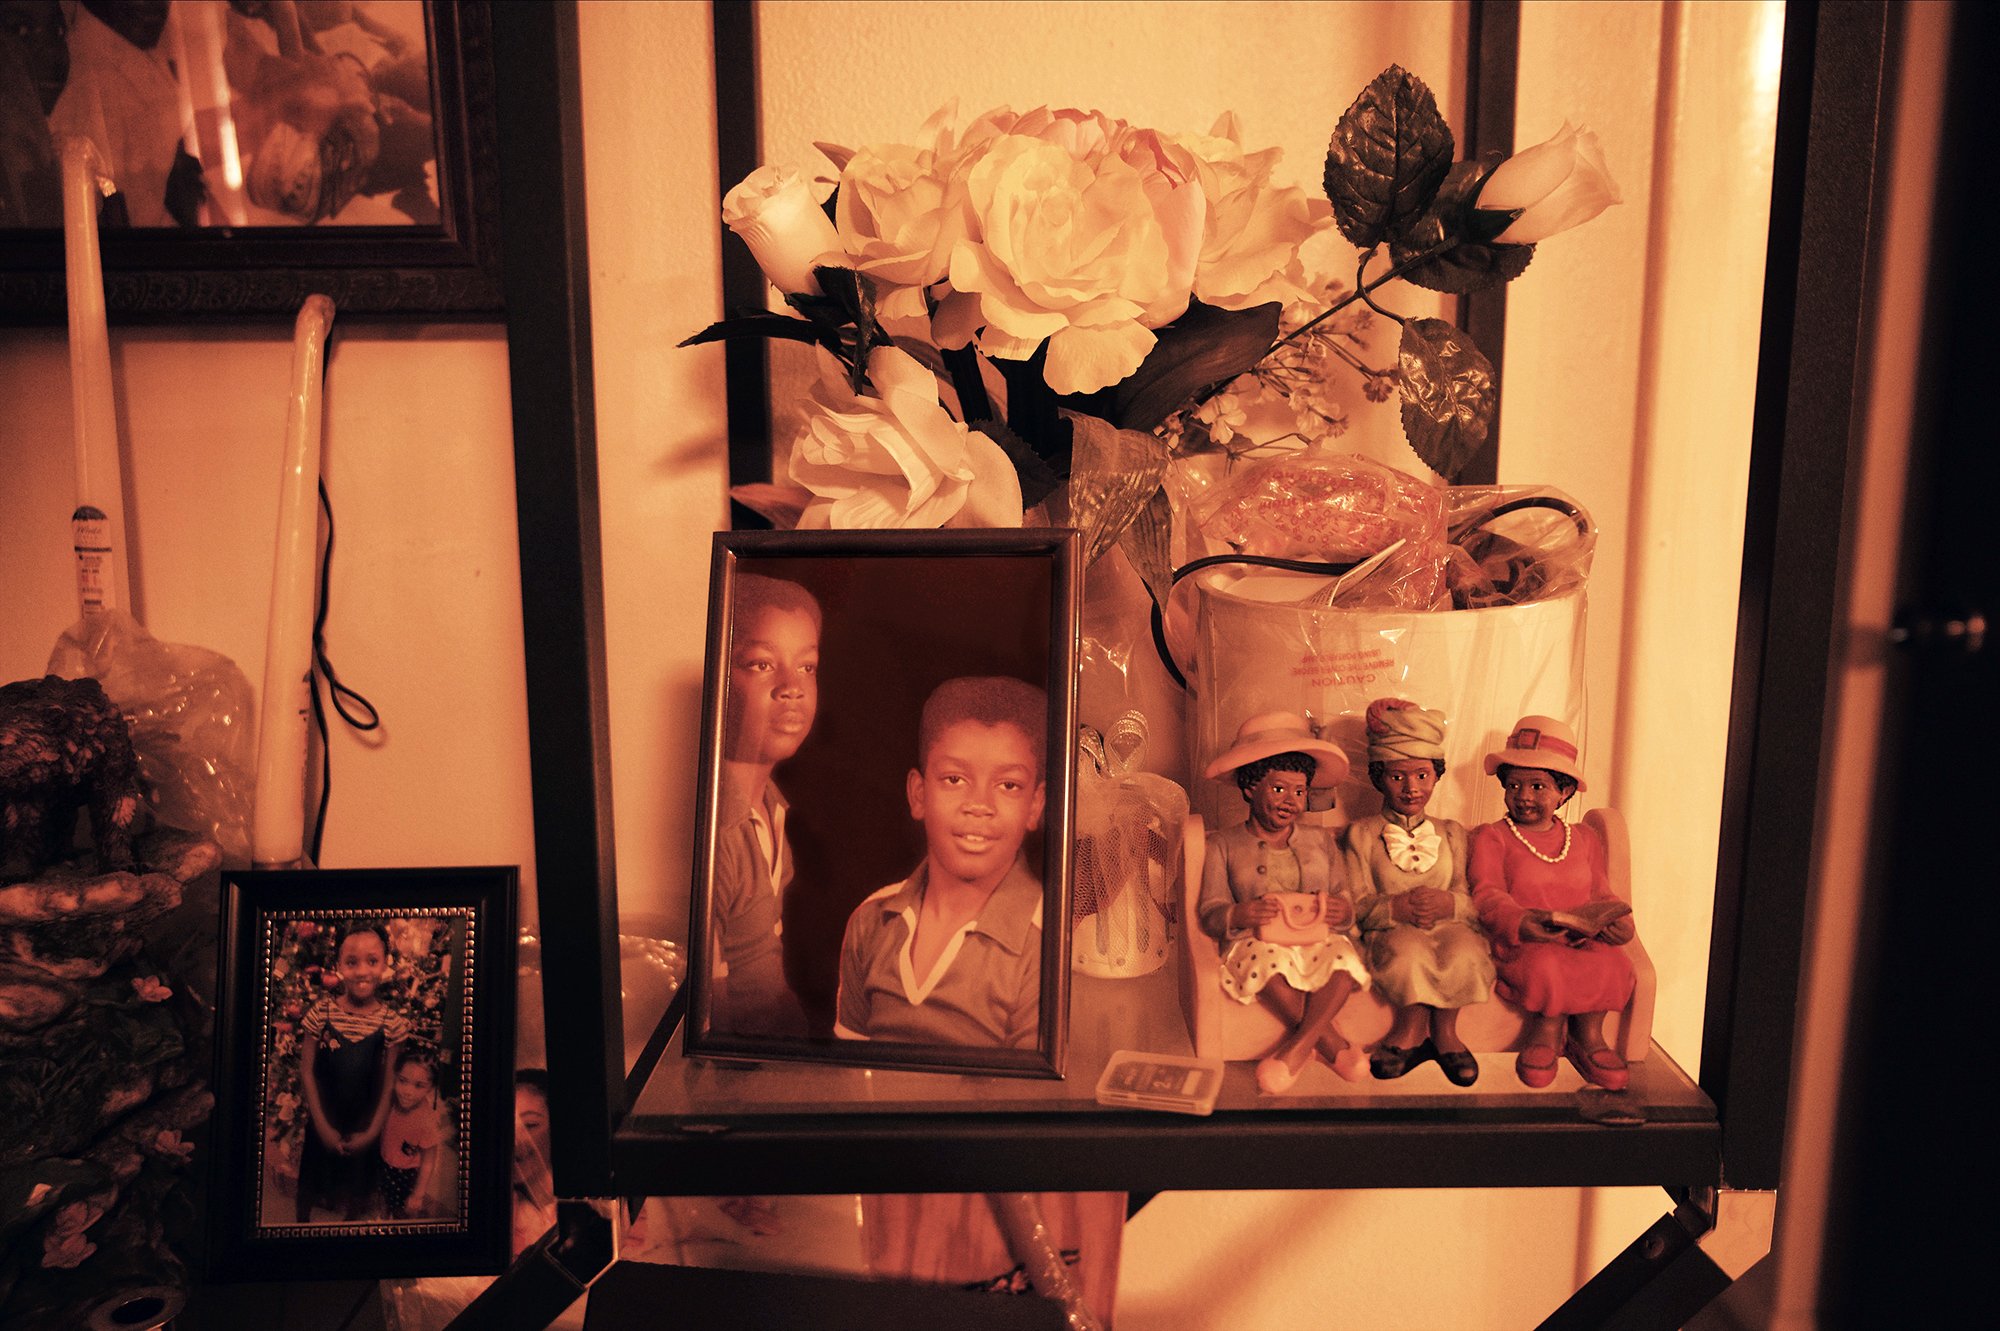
413 1135
347 1051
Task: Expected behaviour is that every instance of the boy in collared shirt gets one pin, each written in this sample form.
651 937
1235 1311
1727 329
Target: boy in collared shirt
772 698
952 954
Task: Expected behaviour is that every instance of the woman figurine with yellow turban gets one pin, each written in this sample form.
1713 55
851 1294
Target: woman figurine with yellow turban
1407 871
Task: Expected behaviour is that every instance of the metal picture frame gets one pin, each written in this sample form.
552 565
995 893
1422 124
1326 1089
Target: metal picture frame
833 657
447 268
363 1015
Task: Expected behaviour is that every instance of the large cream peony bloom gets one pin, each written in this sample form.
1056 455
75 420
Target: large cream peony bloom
1254 229
1080 231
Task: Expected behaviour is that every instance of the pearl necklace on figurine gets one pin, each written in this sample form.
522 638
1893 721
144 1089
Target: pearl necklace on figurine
1557 858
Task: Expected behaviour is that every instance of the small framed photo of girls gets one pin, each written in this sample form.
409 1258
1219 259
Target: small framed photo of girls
884 821
363 1121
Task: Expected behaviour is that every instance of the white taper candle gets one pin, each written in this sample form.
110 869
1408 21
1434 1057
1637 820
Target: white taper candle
103 581
277 830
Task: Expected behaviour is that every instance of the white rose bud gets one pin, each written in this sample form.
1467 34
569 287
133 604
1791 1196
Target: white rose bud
1556 185
789 234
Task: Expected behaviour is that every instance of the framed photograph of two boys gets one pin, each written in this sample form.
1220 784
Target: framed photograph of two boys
882 867
363 1118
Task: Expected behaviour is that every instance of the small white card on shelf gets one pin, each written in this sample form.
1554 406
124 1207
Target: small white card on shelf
1173 1082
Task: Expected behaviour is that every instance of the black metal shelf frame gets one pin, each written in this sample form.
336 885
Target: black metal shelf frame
1825 196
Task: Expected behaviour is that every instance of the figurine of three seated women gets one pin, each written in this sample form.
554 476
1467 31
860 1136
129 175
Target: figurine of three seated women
1433 916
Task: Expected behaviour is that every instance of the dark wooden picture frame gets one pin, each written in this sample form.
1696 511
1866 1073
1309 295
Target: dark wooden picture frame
899 613
450 269
441 981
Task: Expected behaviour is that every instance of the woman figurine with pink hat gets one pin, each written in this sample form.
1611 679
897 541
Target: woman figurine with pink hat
1407 872
1545 898
1271 895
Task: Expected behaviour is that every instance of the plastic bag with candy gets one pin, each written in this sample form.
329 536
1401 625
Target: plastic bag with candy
1335 508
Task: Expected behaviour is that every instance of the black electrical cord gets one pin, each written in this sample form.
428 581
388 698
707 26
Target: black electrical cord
339 693
1210 561
1484 516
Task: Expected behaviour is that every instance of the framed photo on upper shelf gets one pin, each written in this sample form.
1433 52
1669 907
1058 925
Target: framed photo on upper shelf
885 792
251 155
363 1084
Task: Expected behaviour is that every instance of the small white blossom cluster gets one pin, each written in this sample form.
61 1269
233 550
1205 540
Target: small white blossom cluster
1292 398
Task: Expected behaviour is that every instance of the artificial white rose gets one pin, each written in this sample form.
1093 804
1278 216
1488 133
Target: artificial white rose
894 210
1254 229
789 234
1082 232
1557 185
897 459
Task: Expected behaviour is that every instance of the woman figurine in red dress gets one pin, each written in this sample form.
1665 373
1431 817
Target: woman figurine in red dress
1534 880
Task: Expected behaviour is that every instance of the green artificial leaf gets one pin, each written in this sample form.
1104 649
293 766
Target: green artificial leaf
1470 267
778 327
1467 260
1449 395
1114 475
780 505
1204 346
848 302
1148 545
1390 152
852 292
1038 479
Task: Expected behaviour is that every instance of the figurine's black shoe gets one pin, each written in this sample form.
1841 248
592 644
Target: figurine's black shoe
1387 1062
1460 1067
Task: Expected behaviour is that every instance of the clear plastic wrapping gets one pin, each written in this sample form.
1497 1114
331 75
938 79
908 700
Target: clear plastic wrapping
193 717
1128 837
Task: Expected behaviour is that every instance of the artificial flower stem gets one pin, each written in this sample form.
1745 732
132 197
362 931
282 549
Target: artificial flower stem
1386 314
1361 291
1360 366
962 364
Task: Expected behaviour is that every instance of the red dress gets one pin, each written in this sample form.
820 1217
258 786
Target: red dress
1554 979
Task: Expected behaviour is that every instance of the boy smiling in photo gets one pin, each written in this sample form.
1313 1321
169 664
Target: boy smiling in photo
953 953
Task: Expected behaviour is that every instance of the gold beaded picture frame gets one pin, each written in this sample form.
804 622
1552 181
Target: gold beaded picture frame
362 1073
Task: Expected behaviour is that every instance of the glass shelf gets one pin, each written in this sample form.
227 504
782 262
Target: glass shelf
699 1126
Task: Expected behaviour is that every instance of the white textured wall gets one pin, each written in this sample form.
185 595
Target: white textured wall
655 278
426 611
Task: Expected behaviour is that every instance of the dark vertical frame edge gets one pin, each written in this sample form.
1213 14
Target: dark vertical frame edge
545 266
708 791
1811 364
738 152
227 1143
1492 65
1064 647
